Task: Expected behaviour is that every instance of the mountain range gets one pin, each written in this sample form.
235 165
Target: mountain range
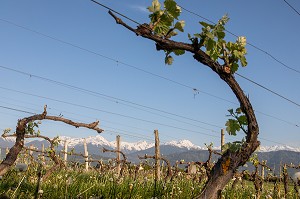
143 145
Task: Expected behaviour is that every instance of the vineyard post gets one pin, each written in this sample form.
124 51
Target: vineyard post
222 139
157 156
86 153
118 139
31 151
285 180
264 162
31 147
43 154
65 152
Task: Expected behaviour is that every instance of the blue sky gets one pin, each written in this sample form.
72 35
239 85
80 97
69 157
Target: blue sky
79 44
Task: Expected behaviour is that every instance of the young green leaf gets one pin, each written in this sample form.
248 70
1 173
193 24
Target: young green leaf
155 6
234 67
232 126
180 25
243 61
169 60
179 52
172 8
243 120
204 24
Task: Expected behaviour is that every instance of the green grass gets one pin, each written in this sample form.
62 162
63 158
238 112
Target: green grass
94 184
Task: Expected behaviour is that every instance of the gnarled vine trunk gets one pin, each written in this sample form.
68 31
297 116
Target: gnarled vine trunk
11 157
226 166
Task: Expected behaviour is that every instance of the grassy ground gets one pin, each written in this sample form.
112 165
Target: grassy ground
95 184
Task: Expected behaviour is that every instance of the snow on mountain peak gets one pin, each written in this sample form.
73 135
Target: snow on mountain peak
277 148
9 139
94 140
183 144
99 140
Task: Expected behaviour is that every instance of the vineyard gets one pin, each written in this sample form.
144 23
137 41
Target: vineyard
49 173
72 80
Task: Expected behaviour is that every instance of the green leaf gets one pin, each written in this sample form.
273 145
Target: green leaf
198 35
243 61
180 25
232 127
234 147
234 67
172 8
242 41
210 44
210 35
223 20
172 33
238 110
179 52
155 6
237 54
220 35
204 24
230 111
169 60
243 120
161 29
214 56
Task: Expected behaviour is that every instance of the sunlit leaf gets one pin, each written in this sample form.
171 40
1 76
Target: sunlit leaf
234 67
204 24
232 126
243 120
238 110
155 6
180 25
172 8
179 52
169 60
243 61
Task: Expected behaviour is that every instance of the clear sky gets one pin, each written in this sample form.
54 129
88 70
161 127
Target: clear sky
132 91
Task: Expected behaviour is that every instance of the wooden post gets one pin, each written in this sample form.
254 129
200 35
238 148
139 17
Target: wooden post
43 155
118 154
86 154
65 152
263 172
264 162
31 151
222 139
157 156
285 180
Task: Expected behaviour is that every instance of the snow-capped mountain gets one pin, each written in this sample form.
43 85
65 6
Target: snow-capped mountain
98 140
278 148
184 144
